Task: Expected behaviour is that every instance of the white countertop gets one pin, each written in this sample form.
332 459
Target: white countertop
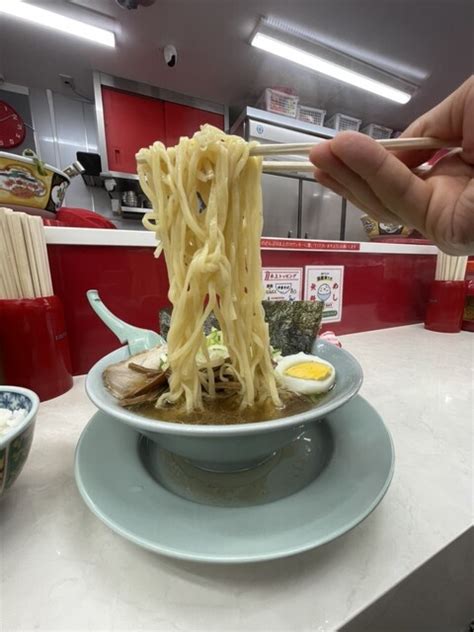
68 236
63 569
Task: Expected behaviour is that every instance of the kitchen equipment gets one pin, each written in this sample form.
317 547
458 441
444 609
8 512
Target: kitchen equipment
284 194
130 198
74 169
117 476
92 164
15 445
280 205
277 139
27 181
321 213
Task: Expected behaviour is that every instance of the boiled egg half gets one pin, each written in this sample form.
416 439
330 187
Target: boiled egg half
305 374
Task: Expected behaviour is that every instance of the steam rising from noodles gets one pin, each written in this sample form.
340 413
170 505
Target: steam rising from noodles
207 216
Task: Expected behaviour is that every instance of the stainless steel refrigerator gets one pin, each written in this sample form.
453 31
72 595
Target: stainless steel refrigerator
296 205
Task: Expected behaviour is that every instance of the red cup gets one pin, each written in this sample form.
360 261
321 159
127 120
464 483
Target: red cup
445 306
34 350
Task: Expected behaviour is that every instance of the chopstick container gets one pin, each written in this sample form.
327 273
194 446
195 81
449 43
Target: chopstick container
468 315
34 349
445 307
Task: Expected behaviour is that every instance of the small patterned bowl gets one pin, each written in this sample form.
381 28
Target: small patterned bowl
15 445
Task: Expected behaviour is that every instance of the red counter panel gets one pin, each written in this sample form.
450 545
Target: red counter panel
380 290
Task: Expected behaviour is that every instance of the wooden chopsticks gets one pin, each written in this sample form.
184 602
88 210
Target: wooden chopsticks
450 268
24 265
391 144
275 166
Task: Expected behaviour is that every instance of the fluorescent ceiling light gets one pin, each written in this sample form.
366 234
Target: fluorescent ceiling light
314 62
37 15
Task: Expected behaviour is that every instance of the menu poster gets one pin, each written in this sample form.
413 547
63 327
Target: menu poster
325 284
283 284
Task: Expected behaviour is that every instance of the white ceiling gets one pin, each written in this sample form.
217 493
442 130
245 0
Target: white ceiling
428 41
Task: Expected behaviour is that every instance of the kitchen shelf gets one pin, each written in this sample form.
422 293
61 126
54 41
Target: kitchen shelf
118 175
286 122
133 212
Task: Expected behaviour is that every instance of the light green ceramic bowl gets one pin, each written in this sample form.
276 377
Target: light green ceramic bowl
235 446
15 445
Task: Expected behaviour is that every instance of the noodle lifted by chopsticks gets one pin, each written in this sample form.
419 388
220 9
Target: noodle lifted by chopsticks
207 216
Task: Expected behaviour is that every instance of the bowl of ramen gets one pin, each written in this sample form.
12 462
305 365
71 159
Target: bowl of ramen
27 181
223 399
222 435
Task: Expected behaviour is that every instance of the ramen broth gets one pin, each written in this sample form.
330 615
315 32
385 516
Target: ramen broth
225 411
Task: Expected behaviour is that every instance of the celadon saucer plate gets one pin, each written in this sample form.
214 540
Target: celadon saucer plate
318 488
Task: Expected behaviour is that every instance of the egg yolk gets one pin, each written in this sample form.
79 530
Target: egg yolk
309 371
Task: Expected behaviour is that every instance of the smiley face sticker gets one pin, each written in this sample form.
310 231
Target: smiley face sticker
325 284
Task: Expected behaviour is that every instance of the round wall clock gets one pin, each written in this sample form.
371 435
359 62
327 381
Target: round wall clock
12 127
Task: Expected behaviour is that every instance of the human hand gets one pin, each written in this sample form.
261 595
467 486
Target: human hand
440 204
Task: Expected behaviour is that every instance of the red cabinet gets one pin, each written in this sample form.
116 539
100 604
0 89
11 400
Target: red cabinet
183 120
131 121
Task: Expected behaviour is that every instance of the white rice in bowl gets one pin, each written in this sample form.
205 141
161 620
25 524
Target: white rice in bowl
10 418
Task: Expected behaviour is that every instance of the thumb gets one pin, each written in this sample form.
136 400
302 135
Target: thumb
449 120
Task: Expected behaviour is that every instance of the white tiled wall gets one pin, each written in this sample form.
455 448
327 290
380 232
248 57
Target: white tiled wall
64 126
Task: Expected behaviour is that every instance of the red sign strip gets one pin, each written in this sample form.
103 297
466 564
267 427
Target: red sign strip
268 243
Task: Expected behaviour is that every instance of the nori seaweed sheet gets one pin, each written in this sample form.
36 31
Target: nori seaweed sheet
293 325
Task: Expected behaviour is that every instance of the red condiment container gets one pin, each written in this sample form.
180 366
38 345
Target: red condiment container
445 307
34 350
468 316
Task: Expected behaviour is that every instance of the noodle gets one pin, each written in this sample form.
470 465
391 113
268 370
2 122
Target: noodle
207 217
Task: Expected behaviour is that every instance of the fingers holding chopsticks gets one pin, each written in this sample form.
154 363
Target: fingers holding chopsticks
374 178
452 118
331 171
326 180
438 202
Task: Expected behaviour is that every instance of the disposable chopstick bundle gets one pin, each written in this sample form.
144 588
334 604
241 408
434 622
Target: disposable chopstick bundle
449 268
24 265
41 256
9 271
21 255
460 268
29 242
